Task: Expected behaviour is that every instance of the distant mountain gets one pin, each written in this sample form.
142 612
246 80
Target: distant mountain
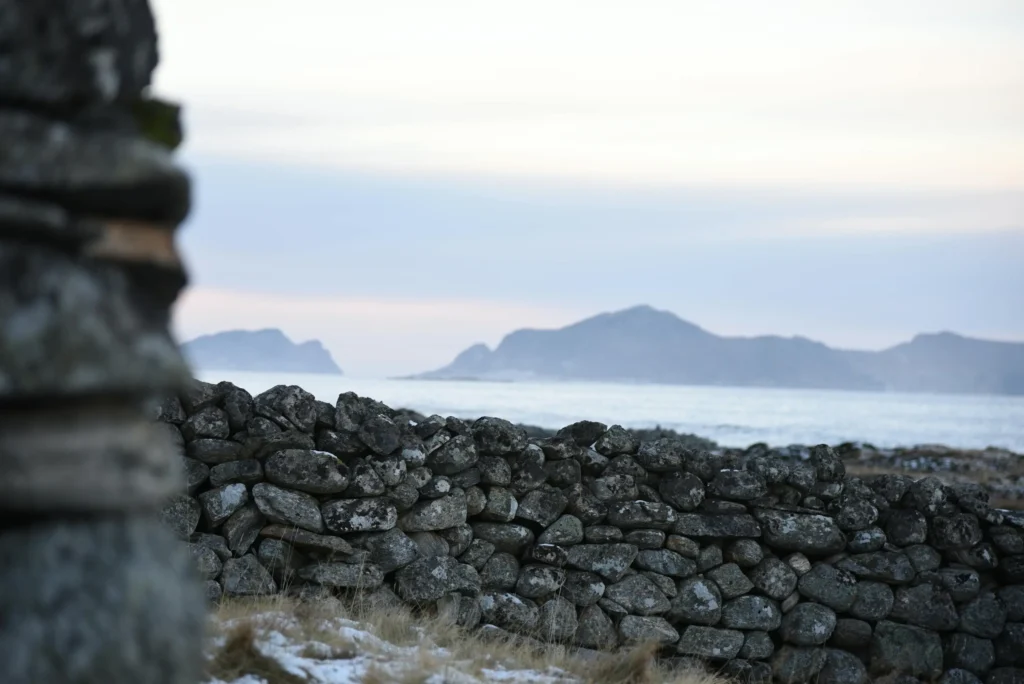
642 344
261 351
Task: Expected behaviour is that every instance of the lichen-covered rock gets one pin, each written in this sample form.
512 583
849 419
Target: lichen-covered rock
208 423
745 553
698 602
925 606
500 572
757 646
314 472
557 621
510 612
426 579
585 506
498 437
730 580
359 515
542 505
984 617
219 503
286 507
807 533
280 558
738 485
797 665
343 575
882 566
866 540
197 474
808 624
436 514
501 506
665 562
718 525
636 629
906 527
907 649
874 601
641 514
596 629
610 561
507 537
322 546
214 451
851 634
565 531
246 577
773 578
751 613
829 586
207 562
181 514
856 515
456 455
391 550
289 406
536 581
710 643
970 653
956 532
638 595
247 472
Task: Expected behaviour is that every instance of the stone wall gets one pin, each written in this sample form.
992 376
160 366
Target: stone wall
765 569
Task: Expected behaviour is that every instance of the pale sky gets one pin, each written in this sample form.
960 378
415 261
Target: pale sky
402 179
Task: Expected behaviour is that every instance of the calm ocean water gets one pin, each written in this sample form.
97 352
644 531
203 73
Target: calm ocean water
732 416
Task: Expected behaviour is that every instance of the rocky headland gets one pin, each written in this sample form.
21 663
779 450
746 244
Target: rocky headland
762 564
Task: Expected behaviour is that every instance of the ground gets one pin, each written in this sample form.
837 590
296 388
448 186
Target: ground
282 641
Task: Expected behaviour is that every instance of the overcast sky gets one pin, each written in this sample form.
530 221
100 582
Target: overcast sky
402 179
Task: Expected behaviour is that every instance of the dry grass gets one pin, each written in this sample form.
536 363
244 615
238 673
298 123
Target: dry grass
413 648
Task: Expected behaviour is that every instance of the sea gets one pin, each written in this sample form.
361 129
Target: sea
731 416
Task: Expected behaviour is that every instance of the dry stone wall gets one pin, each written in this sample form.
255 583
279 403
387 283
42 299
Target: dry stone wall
764 570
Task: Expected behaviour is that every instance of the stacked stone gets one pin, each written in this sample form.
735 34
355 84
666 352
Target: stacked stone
765 570
93 588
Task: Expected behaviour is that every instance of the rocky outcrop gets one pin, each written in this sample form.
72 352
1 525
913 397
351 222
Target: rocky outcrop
763 565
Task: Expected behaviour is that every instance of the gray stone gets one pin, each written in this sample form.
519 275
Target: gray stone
285 507
661 456
751 612
956 531
829 586
906 527
582 588
542 505
635 629
246 577
207 562
536 581
213 592
391 550
215 543
242 528
280 558
958 676
359 515
685 547
565 531
856 515
506 537
757 646
613 488
289 406
710 643
709 557
613 609
866 540
196 475
456 455
808 624
851 634
906 649
510 612
983 617
828 466
596 629
807 533
923 557
214 451
925 606
585 506
730 580
583 433
478 553
391 469
927 495
683 490
500 572
970 653
745 553
181 515
638 595
667 585
476 501
458 537
842 668
698 602
430 544
718 526
557 620
218 504
208 423
874 601
501 506
547 554
1010 645
738 485
603 534
610 561
498 437
494 470
314 472
363 481
322 546
247 472
436 514
645 539
773 578
563 474
615 441
665 562
1013 598
797 665
882 566
426 579
343 575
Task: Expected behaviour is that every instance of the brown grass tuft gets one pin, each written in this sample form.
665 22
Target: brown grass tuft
238 656
637 665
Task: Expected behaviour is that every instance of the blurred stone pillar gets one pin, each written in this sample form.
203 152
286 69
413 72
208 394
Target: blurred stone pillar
93 587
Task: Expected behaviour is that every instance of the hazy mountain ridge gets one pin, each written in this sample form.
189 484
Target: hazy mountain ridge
642 344
260 351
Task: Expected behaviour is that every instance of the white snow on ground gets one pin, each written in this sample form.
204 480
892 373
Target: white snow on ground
318 663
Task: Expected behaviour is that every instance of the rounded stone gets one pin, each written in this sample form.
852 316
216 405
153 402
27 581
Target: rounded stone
808 624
